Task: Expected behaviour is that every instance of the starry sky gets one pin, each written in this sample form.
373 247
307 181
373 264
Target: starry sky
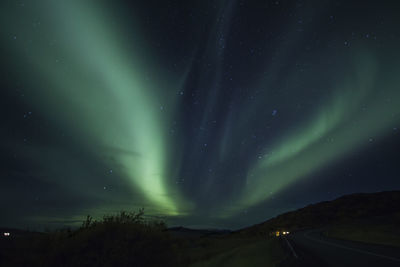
209 114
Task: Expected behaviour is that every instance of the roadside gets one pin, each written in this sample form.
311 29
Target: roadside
315 249
252 252
297 255
370 232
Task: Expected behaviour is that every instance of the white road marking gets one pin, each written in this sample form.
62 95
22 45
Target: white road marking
353 249
291 248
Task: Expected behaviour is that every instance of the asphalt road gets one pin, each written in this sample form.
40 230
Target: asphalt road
311 248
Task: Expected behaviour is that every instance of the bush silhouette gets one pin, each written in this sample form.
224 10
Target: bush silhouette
125 239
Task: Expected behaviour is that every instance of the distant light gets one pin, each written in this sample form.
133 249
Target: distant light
284 233
6 234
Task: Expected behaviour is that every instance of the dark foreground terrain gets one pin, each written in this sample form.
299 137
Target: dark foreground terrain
313 248
354 230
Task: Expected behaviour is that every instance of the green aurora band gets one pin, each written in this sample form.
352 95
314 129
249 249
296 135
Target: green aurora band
82 64
83 69
339 128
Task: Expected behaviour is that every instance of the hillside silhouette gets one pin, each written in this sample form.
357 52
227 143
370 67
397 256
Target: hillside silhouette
363 211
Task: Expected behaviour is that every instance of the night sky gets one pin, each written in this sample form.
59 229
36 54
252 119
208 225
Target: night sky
213 114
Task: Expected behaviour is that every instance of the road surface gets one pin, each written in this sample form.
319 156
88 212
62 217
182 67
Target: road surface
311 248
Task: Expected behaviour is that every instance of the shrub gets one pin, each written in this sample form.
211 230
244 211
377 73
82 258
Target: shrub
125 239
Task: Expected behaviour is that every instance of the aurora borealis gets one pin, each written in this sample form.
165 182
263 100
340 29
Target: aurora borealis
207 113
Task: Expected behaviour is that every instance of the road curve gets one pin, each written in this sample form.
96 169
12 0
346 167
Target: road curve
311 248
